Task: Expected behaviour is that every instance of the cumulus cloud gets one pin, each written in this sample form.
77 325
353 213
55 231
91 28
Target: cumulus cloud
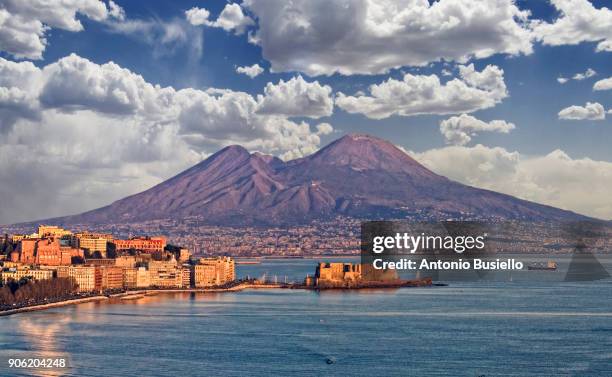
459 130
105 132
24 23
590 111
232 18
321 37
579 21
324 129
562 80
421 94
297 98
604 84
581 185
251 71
18 84
198 16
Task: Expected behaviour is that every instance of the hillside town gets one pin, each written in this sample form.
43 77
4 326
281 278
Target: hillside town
100 263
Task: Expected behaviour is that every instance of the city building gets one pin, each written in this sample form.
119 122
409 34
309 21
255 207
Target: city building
210 272
165 274
45 251
94 243
53 231
143 278
19 273
146 244
112 277
185 277
337 273
87 278
125 261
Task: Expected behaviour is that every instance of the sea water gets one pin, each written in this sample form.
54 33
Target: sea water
506 328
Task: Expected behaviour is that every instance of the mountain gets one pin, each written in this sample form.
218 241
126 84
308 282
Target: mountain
356 175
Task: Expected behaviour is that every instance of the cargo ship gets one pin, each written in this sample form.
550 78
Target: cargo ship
549 266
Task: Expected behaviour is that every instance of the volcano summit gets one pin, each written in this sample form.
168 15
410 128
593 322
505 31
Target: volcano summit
356 176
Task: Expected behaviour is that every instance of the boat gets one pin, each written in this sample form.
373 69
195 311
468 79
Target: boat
541 266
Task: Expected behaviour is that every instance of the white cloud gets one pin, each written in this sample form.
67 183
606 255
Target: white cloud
459 130
115 11
198 16
420 94
585 75
578 76
604 84
321 37
324 129
25 23
18 87
579 21
296 98
98 132
590 111
581 185
251 71
231 18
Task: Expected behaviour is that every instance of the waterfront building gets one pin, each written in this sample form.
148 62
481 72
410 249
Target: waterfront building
165 274
337 273
143 279
87 278
19 273
185 277
112 277
129 277
210 272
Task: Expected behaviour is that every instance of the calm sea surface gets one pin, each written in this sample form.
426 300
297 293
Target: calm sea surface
472 329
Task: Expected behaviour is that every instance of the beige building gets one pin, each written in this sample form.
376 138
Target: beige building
112 277
92 242
184 255
337 274
143 278
19 273
165 274
212 272
136 277
85 276
125 261
129 277
53 231
185 277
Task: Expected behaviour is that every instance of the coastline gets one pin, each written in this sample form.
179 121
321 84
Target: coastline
144 292
136 294
53 305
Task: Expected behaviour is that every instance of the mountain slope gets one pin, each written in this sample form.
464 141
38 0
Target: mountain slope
356 175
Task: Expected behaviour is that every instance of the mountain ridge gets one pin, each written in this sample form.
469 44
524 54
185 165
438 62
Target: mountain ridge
356 175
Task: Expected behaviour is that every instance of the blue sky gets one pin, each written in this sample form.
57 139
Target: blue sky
534 152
